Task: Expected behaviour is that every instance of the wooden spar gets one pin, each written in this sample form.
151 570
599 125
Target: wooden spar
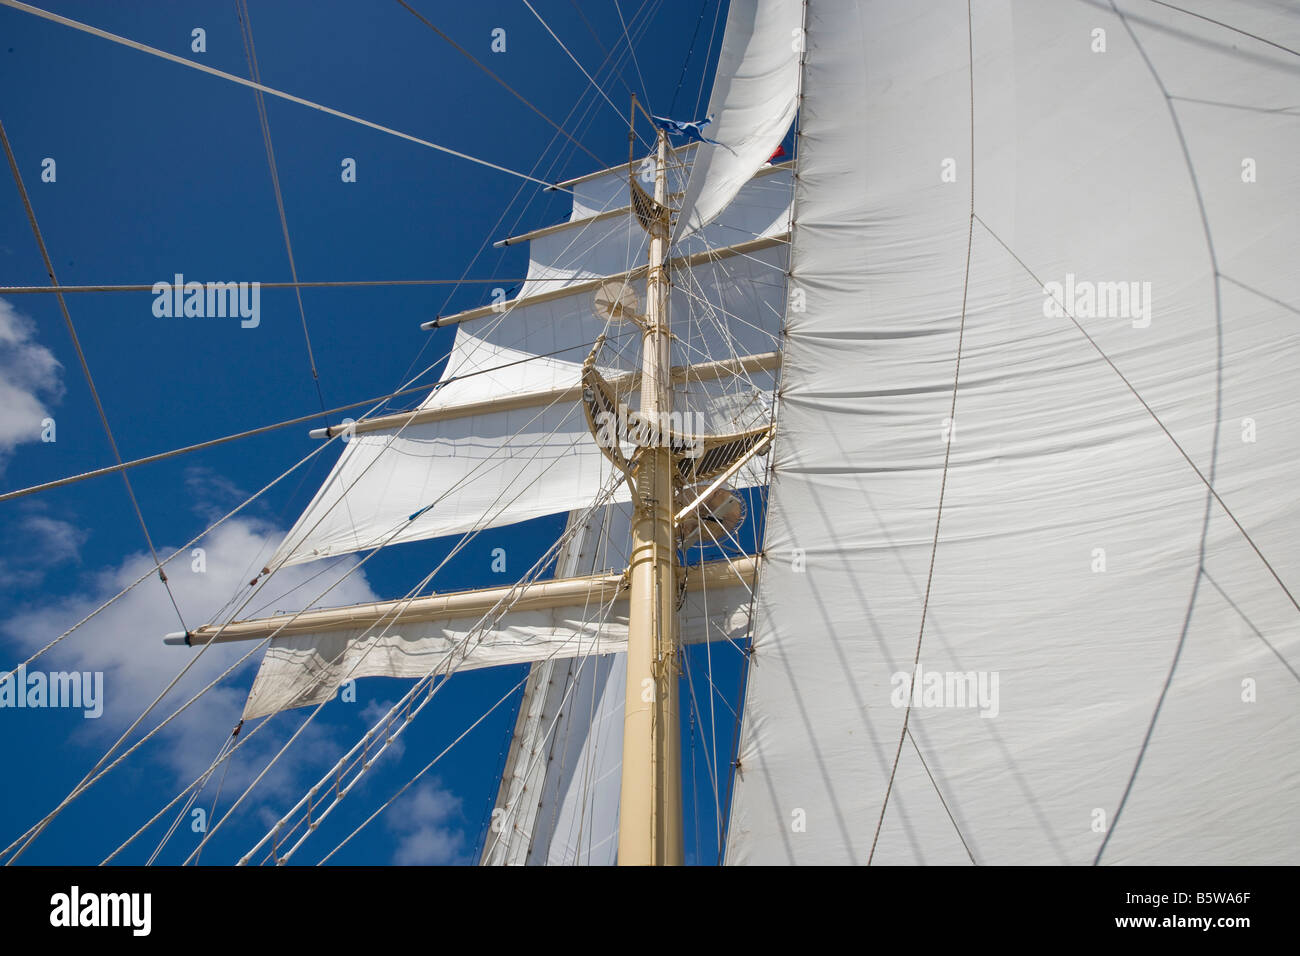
591 285
699 372
587 590
584 221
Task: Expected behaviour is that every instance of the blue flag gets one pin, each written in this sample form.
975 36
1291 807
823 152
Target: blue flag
692 131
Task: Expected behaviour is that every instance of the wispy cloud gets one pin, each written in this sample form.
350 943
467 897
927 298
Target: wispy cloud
30 376
211 494
125 643
34 544
426 822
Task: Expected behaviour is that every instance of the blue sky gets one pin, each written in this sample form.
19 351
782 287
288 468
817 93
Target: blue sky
161 169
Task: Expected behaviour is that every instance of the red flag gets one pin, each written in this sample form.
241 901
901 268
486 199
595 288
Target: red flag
780 151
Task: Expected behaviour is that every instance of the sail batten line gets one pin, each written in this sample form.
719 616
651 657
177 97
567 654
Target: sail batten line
163 54
947 449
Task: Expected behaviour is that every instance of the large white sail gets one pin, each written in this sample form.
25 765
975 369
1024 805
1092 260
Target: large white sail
1107 665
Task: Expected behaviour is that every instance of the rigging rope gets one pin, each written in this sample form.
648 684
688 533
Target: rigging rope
85 367
27 838
513 92
301 419
645 90
428 680
250 54
182 550
465 540
540 565
152 51
704 4
588 116
576 63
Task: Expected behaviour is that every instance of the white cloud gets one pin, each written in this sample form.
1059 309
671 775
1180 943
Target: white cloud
125 642
425 822
34 544
55 541
29 376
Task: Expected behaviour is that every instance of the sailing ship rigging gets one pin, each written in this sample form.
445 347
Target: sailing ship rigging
1007 580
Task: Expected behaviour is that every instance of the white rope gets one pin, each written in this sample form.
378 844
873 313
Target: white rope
32 833
223 756
513 802
645 90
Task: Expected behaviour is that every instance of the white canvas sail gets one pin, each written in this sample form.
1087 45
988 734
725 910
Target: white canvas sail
1136 164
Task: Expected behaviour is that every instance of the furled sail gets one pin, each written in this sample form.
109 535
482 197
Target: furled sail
559 793
312 654
560 790
1047 252
755 93
504 439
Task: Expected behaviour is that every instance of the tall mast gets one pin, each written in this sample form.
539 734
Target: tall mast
650 815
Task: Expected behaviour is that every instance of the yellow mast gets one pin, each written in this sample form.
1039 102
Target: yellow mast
650 816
